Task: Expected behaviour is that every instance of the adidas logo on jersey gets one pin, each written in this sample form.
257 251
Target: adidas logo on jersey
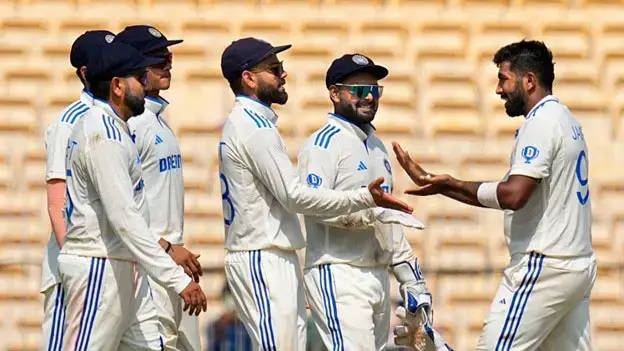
362 166
158 140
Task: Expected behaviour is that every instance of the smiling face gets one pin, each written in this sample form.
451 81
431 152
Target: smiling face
511 89
357 97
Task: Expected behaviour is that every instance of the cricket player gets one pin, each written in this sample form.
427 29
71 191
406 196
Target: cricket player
164 186
56 137
261 196
543 299
348 257
109 247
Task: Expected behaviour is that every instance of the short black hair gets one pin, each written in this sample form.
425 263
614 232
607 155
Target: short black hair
529 56
100 88
236 84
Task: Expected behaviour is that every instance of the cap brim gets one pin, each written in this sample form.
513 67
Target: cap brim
278 49
377 71
161 45
149 61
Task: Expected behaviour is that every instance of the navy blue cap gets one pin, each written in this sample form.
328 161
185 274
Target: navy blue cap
85 43
244 54
144 38
117 60
349 64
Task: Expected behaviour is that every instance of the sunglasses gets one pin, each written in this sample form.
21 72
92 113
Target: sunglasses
362 90
141 76
276 68
168 60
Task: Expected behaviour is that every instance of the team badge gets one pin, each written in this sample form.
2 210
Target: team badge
388 168
529 153
109 38
153 31
360 60
314 180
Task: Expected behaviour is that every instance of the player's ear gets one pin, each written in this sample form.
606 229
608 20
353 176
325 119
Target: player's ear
530 81
83 72
249 80
334 94
117 87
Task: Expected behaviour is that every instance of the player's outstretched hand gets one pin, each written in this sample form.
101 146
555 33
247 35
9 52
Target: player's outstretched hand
187 260
431 185
411 167
194 299
384 199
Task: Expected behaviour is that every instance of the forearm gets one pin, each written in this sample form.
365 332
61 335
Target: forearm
56 204
463 191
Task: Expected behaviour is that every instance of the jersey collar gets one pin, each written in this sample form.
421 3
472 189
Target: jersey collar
108 109
542 102
350 126
86 97
257 106
156 105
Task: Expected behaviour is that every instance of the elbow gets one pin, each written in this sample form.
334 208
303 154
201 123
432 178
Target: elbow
513 200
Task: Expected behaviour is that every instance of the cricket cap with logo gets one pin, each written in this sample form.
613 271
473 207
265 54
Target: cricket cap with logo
86 43
349 64
244 54
117 60
145 38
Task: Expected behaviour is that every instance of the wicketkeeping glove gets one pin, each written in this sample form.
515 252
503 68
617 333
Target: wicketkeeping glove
388 216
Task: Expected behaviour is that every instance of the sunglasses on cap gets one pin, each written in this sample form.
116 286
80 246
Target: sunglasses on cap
276 68
362 90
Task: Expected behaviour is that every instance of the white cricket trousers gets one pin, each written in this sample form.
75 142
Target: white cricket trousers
542 304
53 325
109 305
179 330
350 305
268 293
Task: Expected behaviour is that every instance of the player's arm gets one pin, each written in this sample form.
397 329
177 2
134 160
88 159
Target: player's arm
107 167
143 136
317 168
533 157
56 147
268 160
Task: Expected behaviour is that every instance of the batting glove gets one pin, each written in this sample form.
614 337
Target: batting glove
388 216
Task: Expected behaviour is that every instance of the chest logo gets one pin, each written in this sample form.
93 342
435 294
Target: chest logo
314 180
362 166
158 140
529 153
388 168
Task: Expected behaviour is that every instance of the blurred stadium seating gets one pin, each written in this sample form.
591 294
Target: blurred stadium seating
439 103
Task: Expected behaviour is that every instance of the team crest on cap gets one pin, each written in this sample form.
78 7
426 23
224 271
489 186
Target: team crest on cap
153 31
360 60
109 38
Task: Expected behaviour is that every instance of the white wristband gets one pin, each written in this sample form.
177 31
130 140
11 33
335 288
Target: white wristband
486 194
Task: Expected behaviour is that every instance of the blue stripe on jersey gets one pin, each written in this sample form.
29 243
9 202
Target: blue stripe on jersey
331 310
260 121
115 128
71 109
512 321
56 320
318 136
329 137
261 292
108 134
112 132
92 299
79 114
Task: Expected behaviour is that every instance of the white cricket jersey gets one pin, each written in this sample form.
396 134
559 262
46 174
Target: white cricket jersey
340 155
107 213
556 221
56 136
259 187
162 170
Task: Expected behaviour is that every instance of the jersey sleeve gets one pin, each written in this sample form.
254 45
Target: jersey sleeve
267 158
107 165
140 134
56 140
317 168
536 148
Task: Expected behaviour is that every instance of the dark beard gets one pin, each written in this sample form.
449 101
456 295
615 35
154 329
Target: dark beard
516 102
351 113
271 95
135 104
